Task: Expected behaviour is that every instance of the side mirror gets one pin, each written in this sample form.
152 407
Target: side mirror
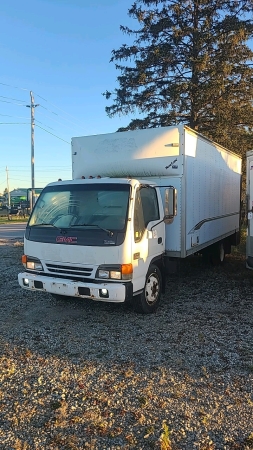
170 204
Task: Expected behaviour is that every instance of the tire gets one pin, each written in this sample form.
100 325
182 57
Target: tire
148 301
218 254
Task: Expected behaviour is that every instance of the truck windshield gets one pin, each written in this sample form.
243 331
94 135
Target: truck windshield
98 206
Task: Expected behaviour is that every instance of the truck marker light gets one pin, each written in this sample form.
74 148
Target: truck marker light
127 269
24 259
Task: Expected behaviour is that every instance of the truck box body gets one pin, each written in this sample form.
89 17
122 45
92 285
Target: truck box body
207 178
148 197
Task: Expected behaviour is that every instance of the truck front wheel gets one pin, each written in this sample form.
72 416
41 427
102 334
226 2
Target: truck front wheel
148 301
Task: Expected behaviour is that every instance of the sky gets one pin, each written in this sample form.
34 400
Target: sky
60 51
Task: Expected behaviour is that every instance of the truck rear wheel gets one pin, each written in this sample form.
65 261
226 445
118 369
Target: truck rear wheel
148 301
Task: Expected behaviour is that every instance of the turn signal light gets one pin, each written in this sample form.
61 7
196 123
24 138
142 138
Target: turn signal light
126 269
24 259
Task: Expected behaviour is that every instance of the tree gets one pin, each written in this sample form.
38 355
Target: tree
190 62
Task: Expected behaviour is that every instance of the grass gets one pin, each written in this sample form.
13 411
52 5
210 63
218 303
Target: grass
165 443
4 219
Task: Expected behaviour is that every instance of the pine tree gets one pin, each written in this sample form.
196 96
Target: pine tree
190 62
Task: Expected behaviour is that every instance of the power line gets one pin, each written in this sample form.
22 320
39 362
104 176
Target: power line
16 117
48 168
36 120
27 123
58 115
44 99
55 106
48 110
13 103
18 179
53 135
14 123
41 170
15 87
60 123
41 180
10 98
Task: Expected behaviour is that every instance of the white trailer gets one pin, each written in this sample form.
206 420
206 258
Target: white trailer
249 206
138 200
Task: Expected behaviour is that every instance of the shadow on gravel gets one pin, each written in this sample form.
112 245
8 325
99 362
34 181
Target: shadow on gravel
107 375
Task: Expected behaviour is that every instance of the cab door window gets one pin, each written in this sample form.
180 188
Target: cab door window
146 210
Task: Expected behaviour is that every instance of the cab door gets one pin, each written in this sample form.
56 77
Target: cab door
148 232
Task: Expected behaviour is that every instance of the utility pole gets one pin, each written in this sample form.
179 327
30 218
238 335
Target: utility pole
9 195
32 106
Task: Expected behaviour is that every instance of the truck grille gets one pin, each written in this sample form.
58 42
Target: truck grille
69 270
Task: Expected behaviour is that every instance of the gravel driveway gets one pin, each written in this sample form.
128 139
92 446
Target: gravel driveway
85 375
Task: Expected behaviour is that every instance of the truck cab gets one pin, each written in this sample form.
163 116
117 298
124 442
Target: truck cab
102 239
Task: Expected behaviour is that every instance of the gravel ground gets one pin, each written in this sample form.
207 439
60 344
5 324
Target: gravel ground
77 374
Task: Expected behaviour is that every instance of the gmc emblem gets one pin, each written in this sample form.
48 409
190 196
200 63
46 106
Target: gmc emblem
66 239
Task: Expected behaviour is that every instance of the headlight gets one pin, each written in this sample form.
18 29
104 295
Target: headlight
103 274
31 263
115 272
115 275
106 274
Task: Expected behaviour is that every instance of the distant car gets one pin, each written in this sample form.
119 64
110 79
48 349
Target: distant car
12 209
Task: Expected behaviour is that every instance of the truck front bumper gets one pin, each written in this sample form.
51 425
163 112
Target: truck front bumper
105 292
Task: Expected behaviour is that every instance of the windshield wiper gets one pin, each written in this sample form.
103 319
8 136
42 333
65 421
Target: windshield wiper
46 224
93 225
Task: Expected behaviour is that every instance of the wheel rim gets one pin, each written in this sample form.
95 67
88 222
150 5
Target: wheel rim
152 289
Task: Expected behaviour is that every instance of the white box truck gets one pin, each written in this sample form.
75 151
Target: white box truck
249 209
137 200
